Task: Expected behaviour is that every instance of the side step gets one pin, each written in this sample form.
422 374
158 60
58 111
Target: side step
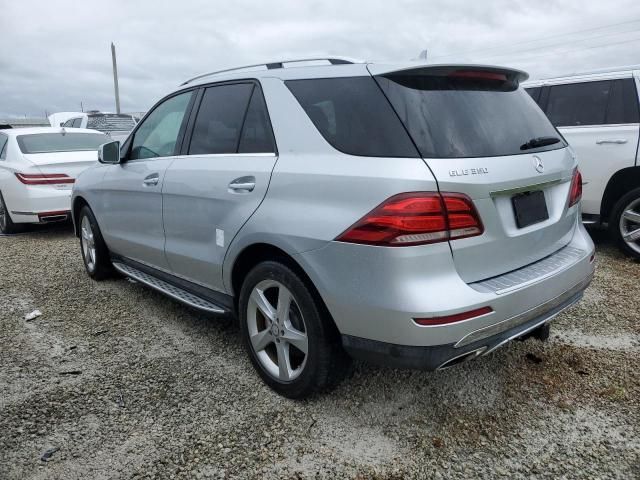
168 289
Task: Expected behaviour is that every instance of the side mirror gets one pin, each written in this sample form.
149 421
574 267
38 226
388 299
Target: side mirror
109 153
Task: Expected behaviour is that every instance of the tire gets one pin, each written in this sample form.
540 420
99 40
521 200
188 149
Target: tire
6 224
283 333
95 253
625 220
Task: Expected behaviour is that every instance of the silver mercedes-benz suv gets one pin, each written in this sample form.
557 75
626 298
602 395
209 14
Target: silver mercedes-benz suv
412 215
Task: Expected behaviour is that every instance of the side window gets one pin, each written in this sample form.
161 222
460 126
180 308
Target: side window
158 134
256 136
220 118
3 147
623 102
68 123
578 104
77 122
534 92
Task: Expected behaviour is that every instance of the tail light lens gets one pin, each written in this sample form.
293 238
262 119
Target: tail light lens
44 178
416 218
575 194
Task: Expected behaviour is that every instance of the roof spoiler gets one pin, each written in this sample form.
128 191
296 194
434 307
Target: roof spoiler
462 70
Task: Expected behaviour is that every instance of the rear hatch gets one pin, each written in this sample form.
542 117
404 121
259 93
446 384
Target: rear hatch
482 135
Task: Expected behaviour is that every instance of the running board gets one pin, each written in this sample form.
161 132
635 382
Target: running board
168 289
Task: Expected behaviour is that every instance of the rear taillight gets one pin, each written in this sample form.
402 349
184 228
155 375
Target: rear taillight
575 194
416 218
44 178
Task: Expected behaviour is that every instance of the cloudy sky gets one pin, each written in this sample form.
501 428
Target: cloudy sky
55 53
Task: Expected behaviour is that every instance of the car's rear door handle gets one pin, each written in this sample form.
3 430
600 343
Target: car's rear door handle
242 185
151 180
618 141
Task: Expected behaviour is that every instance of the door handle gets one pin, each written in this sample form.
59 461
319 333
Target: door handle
618 141
151 180
242 185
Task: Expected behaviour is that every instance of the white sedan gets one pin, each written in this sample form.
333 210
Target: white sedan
37 169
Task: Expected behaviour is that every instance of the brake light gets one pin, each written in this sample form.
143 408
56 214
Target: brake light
575 194
479 75
458 317
44 178
416 218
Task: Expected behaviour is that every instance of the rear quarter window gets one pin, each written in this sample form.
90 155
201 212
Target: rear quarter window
353 115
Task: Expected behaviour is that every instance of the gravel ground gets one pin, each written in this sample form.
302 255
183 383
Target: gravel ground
116 381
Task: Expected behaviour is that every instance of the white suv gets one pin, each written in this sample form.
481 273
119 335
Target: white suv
599 116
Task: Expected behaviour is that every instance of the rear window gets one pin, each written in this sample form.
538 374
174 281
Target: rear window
58 142
111 123
352 114
468 114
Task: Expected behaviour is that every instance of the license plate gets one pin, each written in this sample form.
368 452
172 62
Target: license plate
529 208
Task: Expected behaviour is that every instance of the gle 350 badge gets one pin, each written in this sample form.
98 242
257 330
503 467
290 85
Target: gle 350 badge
461 172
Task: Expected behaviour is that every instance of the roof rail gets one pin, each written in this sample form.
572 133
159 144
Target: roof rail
279 64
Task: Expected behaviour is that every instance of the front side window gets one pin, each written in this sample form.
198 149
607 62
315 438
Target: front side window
578 104
77 123
68 123
158 134
623 102
219 121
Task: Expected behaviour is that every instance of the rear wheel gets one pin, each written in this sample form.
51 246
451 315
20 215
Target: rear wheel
625 223
6 224
291 343
94 251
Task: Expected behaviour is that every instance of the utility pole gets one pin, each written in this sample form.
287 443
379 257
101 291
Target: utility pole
115 76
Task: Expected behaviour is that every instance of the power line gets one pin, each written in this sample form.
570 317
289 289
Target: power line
542 54
603 27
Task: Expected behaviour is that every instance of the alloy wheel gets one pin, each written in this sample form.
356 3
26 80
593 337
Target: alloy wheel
277 331
88 243
630 225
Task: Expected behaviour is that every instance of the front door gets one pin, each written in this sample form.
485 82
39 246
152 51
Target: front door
213 189
131 216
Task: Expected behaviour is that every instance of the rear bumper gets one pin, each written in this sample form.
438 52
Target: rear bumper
443 356
374 293
35 204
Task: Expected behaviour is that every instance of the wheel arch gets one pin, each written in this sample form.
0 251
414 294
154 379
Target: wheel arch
620 183
78 203
256 253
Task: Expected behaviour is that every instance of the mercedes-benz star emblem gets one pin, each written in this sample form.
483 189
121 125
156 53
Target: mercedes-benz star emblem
537 163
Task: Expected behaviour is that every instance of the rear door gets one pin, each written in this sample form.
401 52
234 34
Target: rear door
599 119
215 186
129 209
482 135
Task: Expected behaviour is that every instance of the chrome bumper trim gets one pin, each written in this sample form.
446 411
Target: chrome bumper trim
539 311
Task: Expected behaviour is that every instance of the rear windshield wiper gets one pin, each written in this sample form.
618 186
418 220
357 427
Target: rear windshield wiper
539 142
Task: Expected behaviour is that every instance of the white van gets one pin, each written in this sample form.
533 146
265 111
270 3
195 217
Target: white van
598 114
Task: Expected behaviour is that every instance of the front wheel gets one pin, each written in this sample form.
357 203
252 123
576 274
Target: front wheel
94 251
291 343
625 223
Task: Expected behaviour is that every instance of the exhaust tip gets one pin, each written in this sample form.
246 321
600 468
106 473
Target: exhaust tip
462 358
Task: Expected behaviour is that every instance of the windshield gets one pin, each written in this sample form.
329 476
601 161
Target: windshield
58 142
468 114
